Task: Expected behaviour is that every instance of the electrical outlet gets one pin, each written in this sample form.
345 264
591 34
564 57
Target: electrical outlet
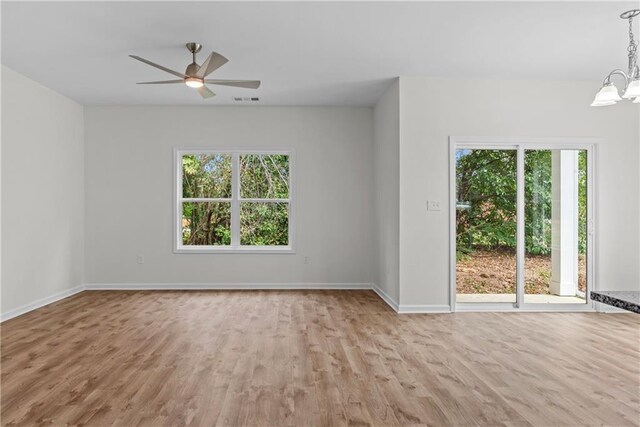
306 260
140 259
433 205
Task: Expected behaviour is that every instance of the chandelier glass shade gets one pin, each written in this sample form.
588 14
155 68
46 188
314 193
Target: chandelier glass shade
608 93
633 90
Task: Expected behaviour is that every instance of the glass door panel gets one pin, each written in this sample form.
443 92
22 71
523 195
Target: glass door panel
555 187
486 199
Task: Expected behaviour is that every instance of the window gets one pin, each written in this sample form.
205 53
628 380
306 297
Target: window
233 201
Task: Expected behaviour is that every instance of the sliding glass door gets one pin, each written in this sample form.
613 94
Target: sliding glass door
521 225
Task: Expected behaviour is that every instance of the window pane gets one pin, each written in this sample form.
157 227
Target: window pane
264 224
206 223
486 225
264 176
555 226
206 176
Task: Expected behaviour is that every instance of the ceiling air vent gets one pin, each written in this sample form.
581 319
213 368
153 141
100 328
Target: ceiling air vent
246 99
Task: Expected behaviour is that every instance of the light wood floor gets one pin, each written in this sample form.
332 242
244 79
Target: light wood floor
312 358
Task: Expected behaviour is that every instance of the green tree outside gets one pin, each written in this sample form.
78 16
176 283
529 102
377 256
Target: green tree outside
486 194
264 176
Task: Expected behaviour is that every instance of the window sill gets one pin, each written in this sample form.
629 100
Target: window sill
229 250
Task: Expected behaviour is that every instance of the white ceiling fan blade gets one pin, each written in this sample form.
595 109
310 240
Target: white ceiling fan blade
175 73
161 82
212 63
249 84
205 92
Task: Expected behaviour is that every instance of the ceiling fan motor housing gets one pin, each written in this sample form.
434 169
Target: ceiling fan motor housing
192 69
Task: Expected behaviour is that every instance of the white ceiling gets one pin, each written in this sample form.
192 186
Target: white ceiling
305 53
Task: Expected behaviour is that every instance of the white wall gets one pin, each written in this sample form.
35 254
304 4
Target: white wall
432 109
363 221
42 192
129 192
386 166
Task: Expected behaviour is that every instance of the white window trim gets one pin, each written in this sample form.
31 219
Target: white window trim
521 144
235 247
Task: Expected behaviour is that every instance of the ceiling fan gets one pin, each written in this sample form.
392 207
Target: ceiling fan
194 75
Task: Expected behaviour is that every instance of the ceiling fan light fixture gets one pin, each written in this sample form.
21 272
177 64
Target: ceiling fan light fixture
633 90
193 82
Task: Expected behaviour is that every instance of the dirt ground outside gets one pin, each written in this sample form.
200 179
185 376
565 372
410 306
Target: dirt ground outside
494 272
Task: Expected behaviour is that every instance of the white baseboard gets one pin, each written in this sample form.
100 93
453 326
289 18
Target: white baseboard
408 309
385 297
223 286
40 303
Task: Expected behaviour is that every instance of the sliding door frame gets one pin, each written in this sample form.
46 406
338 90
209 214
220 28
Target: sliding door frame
521 145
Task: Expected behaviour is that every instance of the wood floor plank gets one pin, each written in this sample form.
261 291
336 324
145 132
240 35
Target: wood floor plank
311 358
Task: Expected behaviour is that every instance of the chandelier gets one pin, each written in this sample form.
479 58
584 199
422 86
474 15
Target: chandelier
608 94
